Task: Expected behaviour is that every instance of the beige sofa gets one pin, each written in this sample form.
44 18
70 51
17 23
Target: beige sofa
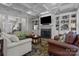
15 47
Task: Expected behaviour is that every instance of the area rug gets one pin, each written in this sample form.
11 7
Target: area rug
39 49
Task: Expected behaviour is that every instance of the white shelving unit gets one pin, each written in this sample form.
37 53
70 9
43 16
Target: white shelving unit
35 26
66 22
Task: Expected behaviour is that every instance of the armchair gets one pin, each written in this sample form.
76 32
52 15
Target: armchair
67 48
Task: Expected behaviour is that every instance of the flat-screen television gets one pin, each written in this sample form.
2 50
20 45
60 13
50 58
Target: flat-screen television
46 20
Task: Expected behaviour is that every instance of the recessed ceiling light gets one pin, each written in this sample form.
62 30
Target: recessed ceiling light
29 12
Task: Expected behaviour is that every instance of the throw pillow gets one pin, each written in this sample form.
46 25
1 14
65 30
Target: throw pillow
70 38
11 37
56 37
8 41
21 35
14 38
61 38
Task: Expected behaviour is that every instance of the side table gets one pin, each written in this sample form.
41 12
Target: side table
36 40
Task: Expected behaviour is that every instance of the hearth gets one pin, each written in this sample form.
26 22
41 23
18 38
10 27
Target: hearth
46 33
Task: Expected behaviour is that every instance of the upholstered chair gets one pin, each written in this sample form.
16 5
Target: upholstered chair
67 48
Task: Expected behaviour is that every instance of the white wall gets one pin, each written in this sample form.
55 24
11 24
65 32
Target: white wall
24 25
0 21
54 32
27 24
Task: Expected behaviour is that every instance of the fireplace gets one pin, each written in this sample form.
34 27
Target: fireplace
46 33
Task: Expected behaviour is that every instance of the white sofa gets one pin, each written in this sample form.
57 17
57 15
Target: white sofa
17 47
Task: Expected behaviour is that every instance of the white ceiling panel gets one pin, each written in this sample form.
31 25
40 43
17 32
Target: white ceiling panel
37 8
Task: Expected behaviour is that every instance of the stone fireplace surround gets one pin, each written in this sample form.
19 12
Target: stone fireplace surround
45 31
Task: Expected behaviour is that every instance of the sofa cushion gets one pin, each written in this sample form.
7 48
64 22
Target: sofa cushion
11 37
19 43
14 38
8 41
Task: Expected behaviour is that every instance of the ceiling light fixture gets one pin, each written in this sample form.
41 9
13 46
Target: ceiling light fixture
29 12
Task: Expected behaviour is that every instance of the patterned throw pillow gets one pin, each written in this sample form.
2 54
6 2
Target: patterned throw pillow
70 38
61 38
56 37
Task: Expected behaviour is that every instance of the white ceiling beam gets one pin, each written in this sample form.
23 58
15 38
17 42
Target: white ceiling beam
45 7
19 10
45 12
15 9
29 7
7 4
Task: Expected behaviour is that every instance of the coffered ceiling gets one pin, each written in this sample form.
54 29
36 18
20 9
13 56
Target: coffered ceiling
38 8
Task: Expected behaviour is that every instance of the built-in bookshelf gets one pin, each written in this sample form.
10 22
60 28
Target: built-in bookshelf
73 22
35 26
57 23
66 22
